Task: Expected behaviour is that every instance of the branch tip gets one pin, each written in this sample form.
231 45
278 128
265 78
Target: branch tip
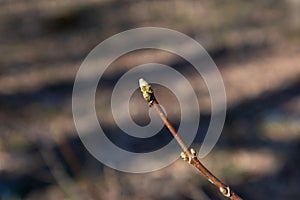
146 91
189 156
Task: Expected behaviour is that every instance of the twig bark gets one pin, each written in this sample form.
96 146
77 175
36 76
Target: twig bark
187 155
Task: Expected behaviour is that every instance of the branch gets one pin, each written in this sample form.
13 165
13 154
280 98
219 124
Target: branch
187 155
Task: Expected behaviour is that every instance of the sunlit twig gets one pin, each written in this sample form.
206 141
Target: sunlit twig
187 155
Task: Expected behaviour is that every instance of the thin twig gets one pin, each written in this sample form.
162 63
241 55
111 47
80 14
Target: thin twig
187 155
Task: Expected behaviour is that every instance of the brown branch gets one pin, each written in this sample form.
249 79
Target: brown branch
189 156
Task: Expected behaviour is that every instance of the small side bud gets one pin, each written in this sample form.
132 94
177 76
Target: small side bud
183 156
225 191
193 152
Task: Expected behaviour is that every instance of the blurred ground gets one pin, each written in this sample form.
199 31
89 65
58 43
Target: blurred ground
255 44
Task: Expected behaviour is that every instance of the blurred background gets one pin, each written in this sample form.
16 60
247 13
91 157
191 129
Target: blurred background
255 44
